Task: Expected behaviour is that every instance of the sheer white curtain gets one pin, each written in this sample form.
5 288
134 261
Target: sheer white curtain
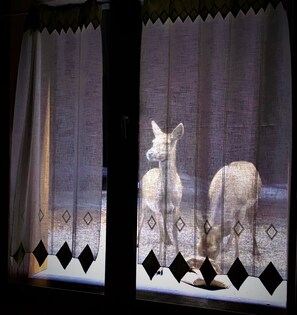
228 81
56 152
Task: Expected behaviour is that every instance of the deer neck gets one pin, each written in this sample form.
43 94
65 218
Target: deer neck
168 170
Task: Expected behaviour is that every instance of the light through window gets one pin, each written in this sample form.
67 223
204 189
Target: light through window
214 195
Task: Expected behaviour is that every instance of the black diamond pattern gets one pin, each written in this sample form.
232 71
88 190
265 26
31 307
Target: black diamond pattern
207 271
270 278
64 255
237 273
151 264
19 254
86 258
40 253
179 267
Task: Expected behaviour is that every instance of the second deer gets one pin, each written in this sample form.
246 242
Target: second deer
233 197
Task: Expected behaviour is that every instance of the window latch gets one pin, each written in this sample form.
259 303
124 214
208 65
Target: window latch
124 126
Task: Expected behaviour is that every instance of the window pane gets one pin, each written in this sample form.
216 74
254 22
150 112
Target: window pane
228 82
58 156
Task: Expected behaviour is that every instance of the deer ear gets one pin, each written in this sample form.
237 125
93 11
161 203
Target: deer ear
178 132
156 129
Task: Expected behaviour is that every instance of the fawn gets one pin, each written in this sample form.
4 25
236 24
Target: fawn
234 189
161 187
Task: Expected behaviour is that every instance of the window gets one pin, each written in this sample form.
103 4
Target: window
215 139
57 147
197 85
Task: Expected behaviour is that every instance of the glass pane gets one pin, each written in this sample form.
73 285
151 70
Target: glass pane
66 185
215 141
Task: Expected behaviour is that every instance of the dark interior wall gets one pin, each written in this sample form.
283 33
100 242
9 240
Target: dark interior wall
12 17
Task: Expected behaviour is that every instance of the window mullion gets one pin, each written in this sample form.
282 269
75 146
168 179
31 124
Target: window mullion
122 152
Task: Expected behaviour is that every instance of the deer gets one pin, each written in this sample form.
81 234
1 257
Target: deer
234 189
161 187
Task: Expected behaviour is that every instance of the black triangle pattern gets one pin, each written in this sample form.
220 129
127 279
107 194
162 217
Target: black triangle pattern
65 16
173 9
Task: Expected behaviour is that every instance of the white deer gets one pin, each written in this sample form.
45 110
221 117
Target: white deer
161 188
234 189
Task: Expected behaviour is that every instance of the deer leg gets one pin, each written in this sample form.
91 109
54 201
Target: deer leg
140 223
236 246
229 241
160 223
167 239
176 215
255 243
255 247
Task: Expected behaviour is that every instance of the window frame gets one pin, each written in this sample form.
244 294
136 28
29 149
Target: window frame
122 49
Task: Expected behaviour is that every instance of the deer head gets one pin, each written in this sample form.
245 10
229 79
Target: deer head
164 145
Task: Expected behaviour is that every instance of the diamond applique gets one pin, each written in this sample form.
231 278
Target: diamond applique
271 231
151 222
207 227
64 255
19 254
237 273
88 218
40 253
270 278
238 228
86 258
207 271
41 215
180 224
179 267
66 216
151 264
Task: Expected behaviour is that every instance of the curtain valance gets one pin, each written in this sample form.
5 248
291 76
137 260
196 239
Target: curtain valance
173 9
66 16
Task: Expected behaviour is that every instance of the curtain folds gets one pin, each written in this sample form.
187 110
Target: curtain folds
227 80
172 9
57 144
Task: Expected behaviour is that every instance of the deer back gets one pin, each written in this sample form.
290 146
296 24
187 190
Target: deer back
234 189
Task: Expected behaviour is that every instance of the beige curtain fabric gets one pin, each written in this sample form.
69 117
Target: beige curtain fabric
56 154
228 82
